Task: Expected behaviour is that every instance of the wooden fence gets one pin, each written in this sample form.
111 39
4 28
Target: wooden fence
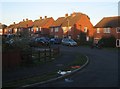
11 59
45 54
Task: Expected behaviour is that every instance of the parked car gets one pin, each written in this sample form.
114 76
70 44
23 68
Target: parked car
55 40
69 42
10 35
10 42
39 41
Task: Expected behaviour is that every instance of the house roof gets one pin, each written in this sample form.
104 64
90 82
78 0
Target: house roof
108 22
25 24
58 22
22 24
2 26
72 19
69 20
11 26
43 23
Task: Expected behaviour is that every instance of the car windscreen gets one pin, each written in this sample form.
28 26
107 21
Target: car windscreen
71 40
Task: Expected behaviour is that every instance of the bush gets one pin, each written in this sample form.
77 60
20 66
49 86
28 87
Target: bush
108 41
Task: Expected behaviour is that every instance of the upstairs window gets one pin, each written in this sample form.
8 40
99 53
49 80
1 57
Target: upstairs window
85 29
118 30
56 29
51 29
106 30
98 30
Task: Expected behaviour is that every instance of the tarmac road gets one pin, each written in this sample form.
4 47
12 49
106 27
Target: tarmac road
102 70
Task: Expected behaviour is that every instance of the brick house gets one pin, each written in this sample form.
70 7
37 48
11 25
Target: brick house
19 27
72 26
11 29
41 26
25 25
2 29
56 29
107 27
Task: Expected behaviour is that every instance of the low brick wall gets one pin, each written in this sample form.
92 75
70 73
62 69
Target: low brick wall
11 59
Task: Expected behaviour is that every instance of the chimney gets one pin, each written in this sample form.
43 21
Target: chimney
66 15
23 20
13 22
45 17
40 18
26 19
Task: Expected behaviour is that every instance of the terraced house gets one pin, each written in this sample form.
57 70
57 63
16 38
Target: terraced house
12 28
25 26
41 26
108 26
16 28
72 26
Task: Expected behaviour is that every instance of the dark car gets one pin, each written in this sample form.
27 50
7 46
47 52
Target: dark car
39 41
55 40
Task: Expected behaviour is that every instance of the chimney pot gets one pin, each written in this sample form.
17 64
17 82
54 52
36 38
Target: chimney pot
23 19
26 19
13 22
45 17
66 15
40 18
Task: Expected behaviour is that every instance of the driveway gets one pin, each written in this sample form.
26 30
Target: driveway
102 70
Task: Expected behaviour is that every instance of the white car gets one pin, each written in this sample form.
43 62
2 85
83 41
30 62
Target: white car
69 42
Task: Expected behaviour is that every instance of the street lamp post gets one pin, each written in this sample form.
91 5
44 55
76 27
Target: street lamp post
68 28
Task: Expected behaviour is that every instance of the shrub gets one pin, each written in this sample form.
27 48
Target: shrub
108 41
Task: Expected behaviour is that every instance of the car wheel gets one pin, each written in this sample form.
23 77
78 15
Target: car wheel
69 45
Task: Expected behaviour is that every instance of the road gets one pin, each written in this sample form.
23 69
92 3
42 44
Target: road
102 70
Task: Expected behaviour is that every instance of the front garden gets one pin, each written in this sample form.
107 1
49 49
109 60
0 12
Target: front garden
79 61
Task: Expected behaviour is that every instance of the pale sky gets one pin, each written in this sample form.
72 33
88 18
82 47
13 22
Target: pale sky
12 11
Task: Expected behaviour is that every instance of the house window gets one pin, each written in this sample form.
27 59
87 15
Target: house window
98 30
0 31
40 29
56 36
15 30
118 30
37 29
51 29
118 43
69 37
87 38
56 29
32 29
78 36
106 30
85 29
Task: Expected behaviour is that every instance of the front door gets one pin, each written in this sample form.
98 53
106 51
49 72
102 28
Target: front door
118 43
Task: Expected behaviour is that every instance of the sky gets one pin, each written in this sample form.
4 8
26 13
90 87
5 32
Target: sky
15 11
